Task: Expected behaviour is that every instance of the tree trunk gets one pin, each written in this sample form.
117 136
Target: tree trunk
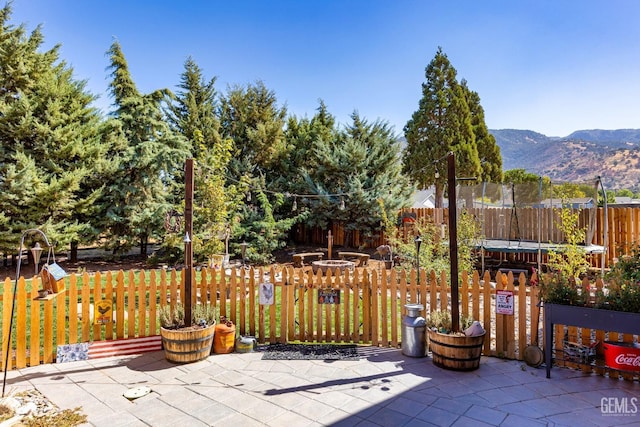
143 246
73 252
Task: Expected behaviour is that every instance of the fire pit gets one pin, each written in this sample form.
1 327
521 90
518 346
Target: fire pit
336 266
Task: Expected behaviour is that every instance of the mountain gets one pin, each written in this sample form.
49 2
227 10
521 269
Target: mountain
582 156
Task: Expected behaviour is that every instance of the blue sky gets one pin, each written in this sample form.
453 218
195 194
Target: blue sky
548 66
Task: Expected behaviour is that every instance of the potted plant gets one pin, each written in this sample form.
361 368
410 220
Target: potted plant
460 351
184 342
568 300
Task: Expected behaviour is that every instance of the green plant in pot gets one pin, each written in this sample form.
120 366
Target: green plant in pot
202 315
184 342
440 321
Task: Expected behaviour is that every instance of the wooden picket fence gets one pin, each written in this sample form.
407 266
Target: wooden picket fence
369 311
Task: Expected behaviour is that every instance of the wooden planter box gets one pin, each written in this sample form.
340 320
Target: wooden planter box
585 317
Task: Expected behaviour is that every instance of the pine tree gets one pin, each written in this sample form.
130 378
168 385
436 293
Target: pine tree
51 145
251 117
361 169
441 124
488 150
302 137
151 156
194 115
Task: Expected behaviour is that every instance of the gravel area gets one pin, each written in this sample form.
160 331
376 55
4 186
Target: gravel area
309 352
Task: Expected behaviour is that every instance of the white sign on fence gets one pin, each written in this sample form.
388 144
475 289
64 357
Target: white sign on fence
266 293
504 302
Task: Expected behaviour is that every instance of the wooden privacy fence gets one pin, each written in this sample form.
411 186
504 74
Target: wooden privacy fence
623 229
367 308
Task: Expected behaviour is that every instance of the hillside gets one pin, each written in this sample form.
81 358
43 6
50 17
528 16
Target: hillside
612 154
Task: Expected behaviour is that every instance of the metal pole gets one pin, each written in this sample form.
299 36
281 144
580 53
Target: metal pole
13 302
453 242
605 236
188 247
418 242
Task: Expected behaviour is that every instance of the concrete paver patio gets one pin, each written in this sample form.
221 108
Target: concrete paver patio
384 388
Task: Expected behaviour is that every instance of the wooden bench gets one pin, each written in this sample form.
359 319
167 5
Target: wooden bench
362 259
298 259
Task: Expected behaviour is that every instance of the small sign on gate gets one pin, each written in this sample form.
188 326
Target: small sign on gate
504 302
328 296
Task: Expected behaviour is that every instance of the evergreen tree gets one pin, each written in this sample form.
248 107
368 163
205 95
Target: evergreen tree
251 117
488 150
361 169
441 124
302 137
51 148
193 114
151 159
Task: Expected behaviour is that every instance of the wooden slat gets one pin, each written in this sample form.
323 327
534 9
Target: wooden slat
108 295
153 303
97 296
522 317
120 308
284 310
356 311
21 325
510 323
273 337
131 306
394 307
375 315
141 300
384 316
34 344
86 303
252 296
233 294
48 332
486 311
72 309
346 321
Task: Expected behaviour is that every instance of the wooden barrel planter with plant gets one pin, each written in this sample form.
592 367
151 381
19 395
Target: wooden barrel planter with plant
455 352
187 344
182 343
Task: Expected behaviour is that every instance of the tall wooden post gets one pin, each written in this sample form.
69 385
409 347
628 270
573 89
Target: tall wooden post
453 242
188 247
329 244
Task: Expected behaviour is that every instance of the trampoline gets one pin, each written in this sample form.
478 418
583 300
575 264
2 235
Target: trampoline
518 219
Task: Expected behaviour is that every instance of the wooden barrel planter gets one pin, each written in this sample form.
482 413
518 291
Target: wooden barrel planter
455 352
187 345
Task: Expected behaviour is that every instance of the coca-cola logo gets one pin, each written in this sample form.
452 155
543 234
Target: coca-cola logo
628 359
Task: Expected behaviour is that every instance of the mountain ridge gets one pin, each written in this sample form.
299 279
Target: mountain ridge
583 155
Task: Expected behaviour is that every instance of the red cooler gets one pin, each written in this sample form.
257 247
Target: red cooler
624 356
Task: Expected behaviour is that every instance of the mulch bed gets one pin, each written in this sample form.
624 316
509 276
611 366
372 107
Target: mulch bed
309 352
